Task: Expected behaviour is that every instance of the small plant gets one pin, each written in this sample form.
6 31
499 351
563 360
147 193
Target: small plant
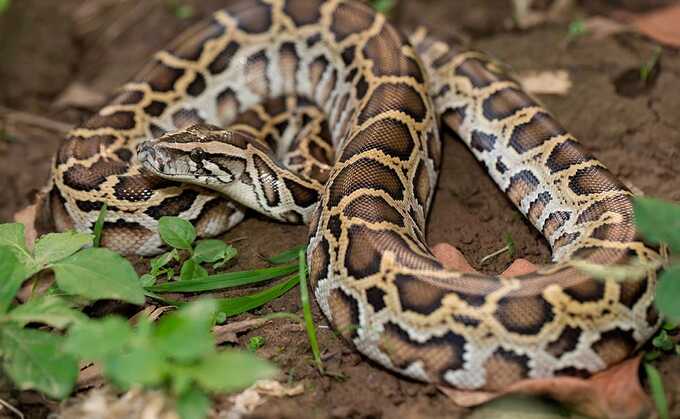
577 29
177 354
32 358
4 5
179 9
180 235
383 6
648 68
659 223
255 343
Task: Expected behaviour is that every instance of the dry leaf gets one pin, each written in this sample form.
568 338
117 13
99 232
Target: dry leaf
662 25
90 376
555 82
106 404
252 397
613 393
227 332
26 217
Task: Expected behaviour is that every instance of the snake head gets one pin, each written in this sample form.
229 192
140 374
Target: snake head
201 154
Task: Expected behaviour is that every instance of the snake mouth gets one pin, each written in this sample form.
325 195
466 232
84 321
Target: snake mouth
151 160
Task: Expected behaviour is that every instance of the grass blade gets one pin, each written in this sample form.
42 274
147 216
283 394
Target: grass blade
658 394
237 305
98 225
307 311
224 280
286 256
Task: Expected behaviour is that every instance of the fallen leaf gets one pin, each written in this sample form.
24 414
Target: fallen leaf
227 332
105 403
555 82
249 399
152 312
90 376
662 25
613 393
26 217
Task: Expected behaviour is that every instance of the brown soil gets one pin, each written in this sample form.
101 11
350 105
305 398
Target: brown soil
46 46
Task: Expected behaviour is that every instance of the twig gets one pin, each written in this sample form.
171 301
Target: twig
11 408
12 116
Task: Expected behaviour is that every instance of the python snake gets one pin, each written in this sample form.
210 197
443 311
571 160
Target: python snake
332 118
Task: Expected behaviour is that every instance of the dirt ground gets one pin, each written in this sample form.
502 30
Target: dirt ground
45 47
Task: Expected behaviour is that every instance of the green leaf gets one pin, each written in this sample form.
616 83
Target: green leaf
658 394
12 275
658 221
193 404
94 340
255 343
99 273
159 262
237 305
224 280
54 247
34 361
137 366
210 250
383 6
191 270
287 255
12 235
668 293
663 341
185 335
177 232
231 370
48 309
228 255
307 311
99 225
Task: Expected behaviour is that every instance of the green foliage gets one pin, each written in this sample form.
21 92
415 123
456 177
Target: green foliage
179 9
96 274
177 232
577 29
33 358
648 67
177 354
180 234
307 311
99 225
383 6
255 343
4 5
658 394
659 223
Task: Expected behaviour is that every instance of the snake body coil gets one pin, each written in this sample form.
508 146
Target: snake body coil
333 120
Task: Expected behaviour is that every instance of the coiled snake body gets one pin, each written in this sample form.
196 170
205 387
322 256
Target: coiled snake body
333 120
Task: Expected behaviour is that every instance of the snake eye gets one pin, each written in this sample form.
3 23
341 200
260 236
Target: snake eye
197 155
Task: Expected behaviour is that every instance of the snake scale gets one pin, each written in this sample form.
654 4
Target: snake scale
332 118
